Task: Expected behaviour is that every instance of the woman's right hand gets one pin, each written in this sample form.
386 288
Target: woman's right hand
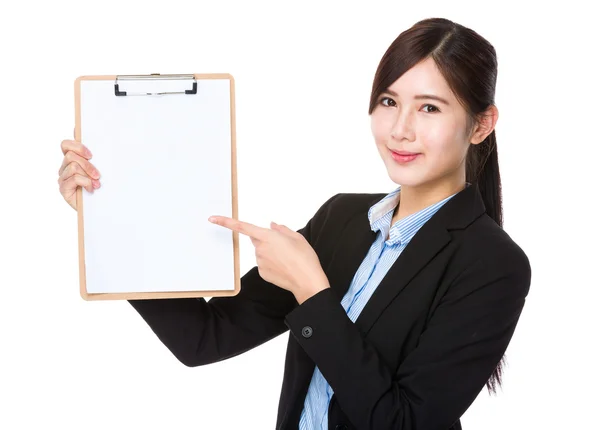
76 171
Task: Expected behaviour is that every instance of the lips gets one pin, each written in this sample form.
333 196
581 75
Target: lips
404 157
405 153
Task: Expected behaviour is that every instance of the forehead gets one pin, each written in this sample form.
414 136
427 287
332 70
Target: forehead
422 78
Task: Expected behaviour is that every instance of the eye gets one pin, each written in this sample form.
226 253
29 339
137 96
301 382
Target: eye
434 107
382 101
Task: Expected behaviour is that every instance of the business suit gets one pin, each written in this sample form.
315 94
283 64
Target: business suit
422 348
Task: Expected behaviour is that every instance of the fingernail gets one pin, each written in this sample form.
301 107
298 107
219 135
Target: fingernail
211 219
96 173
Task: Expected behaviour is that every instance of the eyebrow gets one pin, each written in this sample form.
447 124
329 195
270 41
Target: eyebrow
420 96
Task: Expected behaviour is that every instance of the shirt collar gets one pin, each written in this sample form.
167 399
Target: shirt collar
380 218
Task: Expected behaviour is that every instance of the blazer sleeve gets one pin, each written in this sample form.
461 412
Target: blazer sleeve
200 332
457 352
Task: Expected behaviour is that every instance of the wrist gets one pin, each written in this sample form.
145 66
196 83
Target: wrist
306 293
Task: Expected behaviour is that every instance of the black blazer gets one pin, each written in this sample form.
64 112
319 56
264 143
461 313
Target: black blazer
423 347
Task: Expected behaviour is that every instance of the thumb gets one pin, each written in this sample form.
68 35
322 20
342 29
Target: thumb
281 228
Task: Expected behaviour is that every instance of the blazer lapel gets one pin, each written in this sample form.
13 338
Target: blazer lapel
353 246
429 240
432 237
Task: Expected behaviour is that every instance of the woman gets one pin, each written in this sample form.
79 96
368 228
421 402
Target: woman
400 306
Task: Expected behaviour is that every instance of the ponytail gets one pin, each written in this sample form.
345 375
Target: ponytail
483 172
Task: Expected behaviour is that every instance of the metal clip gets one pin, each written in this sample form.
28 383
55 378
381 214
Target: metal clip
155 76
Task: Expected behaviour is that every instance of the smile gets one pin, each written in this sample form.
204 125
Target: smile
403 158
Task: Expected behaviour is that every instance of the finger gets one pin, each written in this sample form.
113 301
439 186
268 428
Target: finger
283 229
69 185
75 146
239 226
276 227
88 168
75 169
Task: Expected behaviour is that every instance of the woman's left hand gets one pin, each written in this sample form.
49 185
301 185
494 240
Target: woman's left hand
283 257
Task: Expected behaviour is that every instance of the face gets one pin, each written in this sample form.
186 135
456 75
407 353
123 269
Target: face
408 119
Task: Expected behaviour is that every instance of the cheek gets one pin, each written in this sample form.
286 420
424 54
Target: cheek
440 139
379 129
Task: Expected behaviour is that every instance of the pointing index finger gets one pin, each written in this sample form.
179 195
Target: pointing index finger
239 226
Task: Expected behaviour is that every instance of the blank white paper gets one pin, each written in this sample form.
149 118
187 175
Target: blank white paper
165 165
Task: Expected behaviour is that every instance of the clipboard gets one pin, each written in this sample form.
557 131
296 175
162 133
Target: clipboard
165 146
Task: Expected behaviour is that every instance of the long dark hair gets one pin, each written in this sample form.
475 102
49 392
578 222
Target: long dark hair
468 63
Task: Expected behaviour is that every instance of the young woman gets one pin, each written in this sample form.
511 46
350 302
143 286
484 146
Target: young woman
400 306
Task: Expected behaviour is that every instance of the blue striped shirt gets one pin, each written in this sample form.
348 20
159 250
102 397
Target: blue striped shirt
382 254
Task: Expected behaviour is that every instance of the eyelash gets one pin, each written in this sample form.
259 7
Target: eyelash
387 98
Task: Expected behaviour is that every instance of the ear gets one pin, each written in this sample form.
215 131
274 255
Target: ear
485 124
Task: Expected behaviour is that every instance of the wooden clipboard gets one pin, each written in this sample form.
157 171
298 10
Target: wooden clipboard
195 85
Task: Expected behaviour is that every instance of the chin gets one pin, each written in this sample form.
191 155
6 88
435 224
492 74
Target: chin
404 182
402 176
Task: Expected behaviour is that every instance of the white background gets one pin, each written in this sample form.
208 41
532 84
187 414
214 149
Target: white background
303 77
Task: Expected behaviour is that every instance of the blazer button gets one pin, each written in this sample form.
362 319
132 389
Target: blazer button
341 427
307 331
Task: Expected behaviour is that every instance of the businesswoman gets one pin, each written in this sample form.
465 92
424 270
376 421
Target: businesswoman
400 305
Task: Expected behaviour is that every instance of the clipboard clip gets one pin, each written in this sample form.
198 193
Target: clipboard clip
155 76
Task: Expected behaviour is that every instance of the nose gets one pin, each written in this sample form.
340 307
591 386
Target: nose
403 127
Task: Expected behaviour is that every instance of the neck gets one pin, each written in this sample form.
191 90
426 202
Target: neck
414 199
